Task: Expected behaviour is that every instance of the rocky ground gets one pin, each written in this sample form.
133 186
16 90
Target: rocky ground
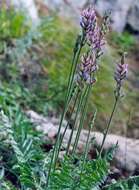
126 161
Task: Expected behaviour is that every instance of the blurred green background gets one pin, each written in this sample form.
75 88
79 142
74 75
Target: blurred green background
35 63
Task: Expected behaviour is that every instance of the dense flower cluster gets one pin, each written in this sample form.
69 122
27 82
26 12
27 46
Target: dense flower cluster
87 67
88 19
95 39
121 71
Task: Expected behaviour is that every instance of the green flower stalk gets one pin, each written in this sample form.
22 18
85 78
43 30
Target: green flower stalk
77 50
81 78
90 16
91 125
89 66
120 75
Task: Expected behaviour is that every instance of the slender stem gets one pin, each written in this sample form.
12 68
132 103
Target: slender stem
91 125
84 110
69 91
59 129
70 85
108 126
68 98
86 147
75 102
53 160
75 120
61 139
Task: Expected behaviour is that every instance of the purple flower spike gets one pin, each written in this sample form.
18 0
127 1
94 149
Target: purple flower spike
121 71
88 19
96 39
120 75
96 36
87 68
105 27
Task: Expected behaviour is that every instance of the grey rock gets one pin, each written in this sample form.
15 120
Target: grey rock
119 11
122 12
126 156
61 4
133 16
67 8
